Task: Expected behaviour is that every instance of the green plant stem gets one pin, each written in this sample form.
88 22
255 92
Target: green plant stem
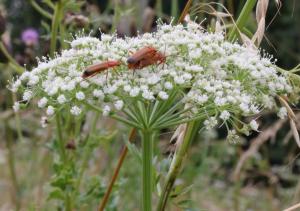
63 157
147 174
62 29
174 9
11 166
60 141
55 25
19 69
40 9
117 14
176 164
242 19
158 8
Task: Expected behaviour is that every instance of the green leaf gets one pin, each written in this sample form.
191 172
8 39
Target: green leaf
134 151
181 190
184 204
56 193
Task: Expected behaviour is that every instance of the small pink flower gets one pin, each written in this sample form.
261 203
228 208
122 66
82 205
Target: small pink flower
30 36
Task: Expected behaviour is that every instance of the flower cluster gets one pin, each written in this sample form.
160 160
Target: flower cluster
220 79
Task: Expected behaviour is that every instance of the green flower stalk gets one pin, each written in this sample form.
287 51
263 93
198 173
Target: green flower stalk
147 177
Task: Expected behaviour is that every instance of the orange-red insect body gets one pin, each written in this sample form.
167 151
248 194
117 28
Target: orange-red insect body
145 57
100 67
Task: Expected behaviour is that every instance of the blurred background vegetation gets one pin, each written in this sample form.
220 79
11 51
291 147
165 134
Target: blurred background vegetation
269 175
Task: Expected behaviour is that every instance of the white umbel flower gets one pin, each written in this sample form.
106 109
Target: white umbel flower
42 102
119 104
80 96
15 86
44 121
27 95
16 106
134 92
75 110
106 110
84 84
163 95
203 70
225 115
282 113
168 85
254 125
98 93
61 99
232 137
148 95
210 123
50 110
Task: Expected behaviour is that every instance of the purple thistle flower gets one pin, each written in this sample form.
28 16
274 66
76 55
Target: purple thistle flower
30 36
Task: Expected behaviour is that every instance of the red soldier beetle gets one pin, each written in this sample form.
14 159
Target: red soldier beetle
99 67
145 57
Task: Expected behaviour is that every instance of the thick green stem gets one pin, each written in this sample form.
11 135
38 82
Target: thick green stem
174 9
116 19
55 24
68 202
176 164
242 19
60 141
147 181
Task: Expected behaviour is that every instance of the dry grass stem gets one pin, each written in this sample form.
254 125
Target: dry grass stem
185 11
292 118
261 12
255 145
294 207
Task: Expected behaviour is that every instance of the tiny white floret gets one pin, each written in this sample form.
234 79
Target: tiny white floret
225 115
27 95
42 102
80 96
16 106
106 110
50 110
119 104
61 99
253 125
163 95
75 110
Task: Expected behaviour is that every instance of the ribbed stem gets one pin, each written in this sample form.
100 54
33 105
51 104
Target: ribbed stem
60 141
175 167
147 154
